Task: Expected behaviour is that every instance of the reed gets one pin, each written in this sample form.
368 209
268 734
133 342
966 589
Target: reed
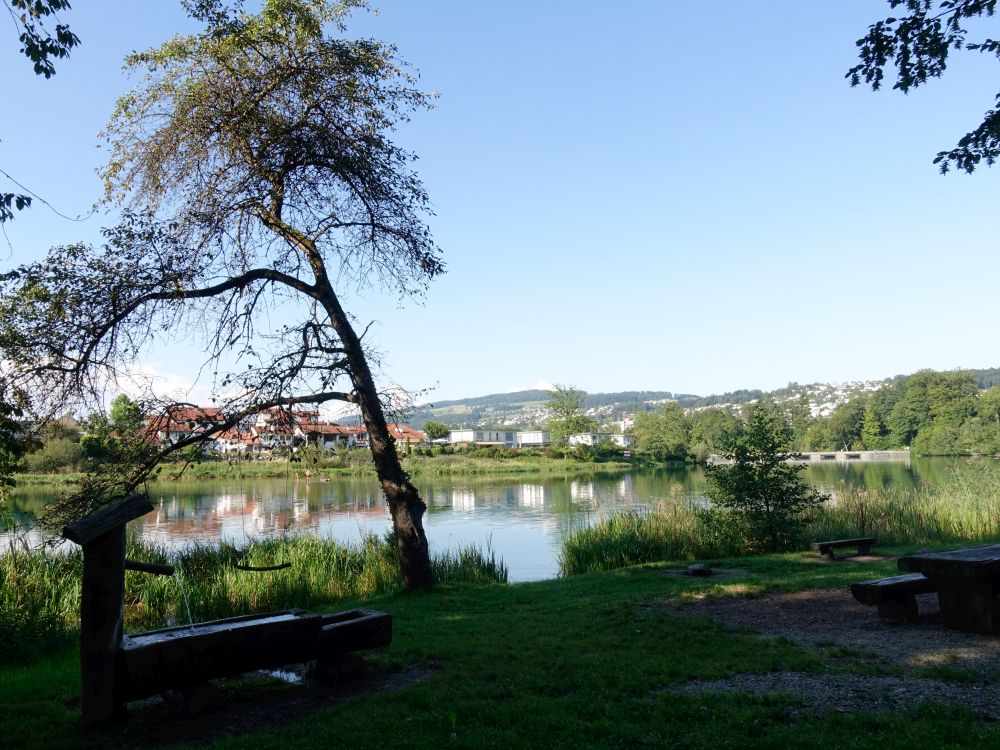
671 530
964 510
39 599
40 589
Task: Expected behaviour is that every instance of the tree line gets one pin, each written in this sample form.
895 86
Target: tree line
931 413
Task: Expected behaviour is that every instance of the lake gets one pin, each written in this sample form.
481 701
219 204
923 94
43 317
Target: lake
523 519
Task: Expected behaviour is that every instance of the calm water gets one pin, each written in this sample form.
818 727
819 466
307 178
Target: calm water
523 520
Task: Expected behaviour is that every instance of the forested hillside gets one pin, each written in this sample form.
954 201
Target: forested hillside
932 413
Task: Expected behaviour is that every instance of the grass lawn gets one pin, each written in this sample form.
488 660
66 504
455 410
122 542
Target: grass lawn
588 661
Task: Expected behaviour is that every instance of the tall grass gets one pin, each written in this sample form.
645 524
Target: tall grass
39 599
40 590
673 530
965 510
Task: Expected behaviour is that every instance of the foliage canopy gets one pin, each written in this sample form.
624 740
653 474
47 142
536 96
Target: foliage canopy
566 415
258 181
42 46
918 44
663 434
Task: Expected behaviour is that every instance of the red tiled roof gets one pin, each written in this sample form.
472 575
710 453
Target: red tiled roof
405 432
325 428
181 418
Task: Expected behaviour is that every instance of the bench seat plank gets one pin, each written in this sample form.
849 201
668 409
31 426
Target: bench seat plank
878 590
896 597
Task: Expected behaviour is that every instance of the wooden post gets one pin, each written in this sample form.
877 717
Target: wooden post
102 607
101 614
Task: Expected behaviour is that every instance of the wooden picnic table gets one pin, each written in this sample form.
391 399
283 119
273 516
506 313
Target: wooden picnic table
968 584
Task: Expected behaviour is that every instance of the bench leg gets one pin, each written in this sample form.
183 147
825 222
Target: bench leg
337 669
968 605
901 608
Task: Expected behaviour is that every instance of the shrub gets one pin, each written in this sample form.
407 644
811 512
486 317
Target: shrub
759 495
58 454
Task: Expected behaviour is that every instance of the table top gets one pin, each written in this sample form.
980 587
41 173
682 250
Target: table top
972 562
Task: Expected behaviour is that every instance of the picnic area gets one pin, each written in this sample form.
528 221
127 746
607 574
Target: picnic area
768 650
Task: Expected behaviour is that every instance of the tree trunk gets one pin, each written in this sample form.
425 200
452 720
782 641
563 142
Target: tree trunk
405 505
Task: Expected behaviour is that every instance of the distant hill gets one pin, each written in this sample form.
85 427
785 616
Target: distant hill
523 409
527 408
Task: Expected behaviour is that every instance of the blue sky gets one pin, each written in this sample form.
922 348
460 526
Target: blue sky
639 195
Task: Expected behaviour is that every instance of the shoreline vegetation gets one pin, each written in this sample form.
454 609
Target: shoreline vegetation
40 587
490 462
963 511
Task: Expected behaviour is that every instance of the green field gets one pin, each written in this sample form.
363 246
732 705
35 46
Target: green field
593 661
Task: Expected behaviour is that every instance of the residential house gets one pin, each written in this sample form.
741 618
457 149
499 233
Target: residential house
403 435
276 427
181 423
239 441
327 435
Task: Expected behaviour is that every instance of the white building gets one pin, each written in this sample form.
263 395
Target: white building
623 441
593 438
533 439
506 438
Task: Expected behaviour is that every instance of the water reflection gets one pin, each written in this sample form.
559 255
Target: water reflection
524 521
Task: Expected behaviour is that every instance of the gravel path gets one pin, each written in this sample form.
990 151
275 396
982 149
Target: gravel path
825 618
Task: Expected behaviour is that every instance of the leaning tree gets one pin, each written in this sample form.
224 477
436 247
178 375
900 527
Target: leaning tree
258 182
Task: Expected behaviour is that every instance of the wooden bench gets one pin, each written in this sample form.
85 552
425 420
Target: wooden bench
116 669
895 596
864 545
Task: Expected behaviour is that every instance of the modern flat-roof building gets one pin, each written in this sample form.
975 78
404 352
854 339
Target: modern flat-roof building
533 439
506 438
593 438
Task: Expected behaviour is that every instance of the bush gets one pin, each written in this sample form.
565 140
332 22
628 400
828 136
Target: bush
58 454
759 496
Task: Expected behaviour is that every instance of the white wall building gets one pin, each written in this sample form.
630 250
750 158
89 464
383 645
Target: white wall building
506 438
533 439
593 438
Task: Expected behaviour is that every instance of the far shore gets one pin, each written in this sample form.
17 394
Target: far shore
279 468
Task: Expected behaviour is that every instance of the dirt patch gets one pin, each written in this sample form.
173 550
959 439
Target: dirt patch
827 616
830 618
158 724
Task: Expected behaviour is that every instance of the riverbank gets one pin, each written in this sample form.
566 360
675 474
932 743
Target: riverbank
358 464
640 657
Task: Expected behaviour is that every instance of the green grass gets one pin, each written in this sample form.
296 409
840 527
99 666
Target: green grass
584 662
672 532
